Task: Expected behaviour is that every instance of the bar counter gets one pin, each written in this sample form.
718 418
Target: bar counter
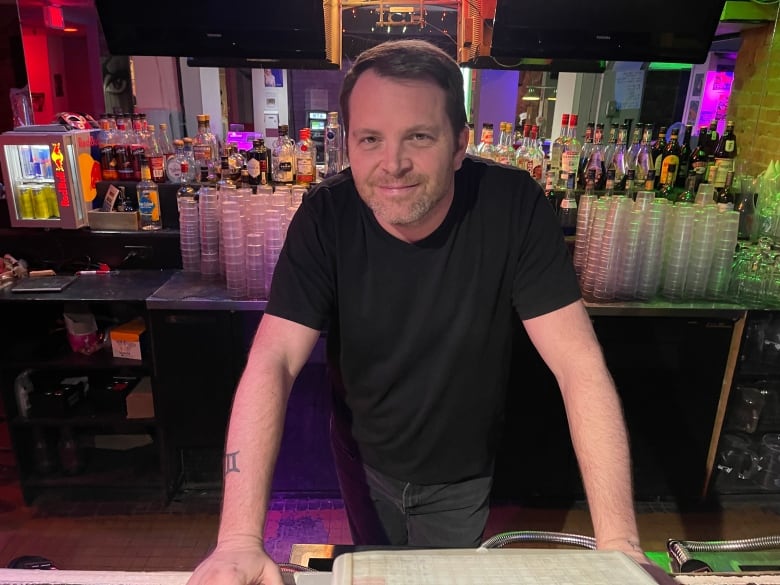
674 363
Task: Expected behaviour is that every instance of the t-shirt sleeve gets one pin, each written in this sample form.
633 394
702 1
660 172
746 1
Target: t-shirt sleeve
544 277
302 289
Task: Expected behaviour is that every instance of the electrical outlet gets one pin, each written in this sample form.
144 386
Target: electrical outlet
139 252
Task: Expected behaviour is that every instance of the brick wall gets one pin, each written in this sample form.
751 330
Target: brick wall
754 105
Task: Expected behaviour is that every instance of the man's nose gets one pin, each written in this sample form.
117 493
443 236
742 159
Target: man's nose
396 159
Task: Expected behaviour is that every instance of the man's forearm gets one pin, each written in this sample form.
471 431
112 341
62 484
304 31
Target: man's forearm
251 448
601 443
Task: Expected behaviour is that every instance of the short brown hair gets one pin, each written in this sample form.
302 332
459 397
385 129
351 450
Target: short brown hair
410 59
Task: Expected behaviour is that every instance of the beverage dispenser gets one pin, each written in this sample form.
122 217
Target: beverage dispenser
50 175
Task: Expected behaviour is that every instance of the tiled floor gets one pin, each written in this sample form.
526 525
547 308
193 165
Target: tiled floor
147 536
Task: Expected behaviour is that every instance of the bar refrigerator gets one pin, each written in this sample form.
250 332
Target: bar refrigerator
50 175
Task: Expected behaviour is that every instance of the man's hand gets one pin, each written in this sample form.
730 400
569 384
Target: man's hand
632 549
238 561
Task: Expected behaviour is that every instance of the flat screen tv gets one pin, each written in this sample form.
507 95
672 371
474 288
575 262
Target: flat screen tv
676 31
289 30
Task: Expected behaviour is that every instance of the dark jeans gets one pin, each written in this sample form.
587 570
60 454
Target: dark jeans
386 511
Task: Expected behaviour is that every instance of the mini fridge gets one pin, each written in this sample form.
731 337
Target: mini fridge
50 175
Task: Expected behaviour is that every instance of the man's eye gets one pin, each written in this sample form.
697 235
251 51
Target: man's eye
368 140
420 137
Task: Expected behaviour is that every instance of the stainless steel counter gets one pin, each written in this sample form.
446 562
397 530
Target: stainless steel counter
190 291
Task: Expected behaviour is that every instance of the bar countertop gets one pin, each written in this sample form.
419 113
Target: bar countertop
119 285
178 290
186 290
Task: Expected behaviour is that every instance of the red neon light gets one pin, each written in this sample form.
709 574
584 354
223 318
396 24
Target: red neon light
61 184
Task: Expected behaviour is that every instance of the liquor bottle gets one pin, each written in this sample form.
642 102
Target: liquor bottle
283 158
186 188
609 184
243 180
618 163
570 156
596 160
225 181
173 164
556 149
334 152
657 152
636 141
106 139
549 188
517 135
505 154
611 143
471 148
567 211
124 160
164 138
697 162
688 196
713 133
236 162
630 191
724 155
670 161
685 157
155 156
193 169
524 152
643 161
486 149
148 199
205 146
257 163
587 148
650 180
724 195
137 145
304 159
537 156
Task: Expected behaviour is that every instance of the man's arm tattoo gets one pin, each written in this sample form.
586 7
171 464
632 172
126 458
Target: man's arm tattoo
231 462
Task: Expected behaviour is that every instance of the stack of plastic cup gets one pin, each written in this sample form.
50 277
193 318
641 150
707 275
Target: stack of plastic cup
723 256
606 276
282 197
255 275
644 199
678 252
208 207
189 234
593 255
584 215
705 229
273 242
651 247
628 258
255 217
234 249
296 196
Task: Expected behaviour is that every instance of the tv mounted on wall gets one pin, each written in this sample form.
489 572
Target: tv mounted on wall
676 31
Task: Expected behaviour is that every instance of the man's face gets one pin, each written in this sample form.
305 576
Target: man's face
402 152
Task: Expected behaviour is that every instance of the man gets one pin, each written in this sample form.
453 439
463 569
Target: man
413 260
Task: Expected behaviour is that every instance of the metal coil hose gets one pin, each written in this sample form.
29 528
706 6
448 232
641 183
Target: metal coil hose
500 540
680 551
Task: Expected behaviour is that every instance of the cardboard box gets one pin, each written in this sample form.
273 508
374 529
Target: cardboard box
126 339
113 220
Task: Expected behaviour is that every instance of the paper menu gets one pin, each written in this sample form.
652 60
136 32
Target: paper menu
494 566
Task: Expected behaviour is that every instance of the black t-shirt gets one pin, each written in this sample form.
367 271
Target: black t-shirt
420 334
